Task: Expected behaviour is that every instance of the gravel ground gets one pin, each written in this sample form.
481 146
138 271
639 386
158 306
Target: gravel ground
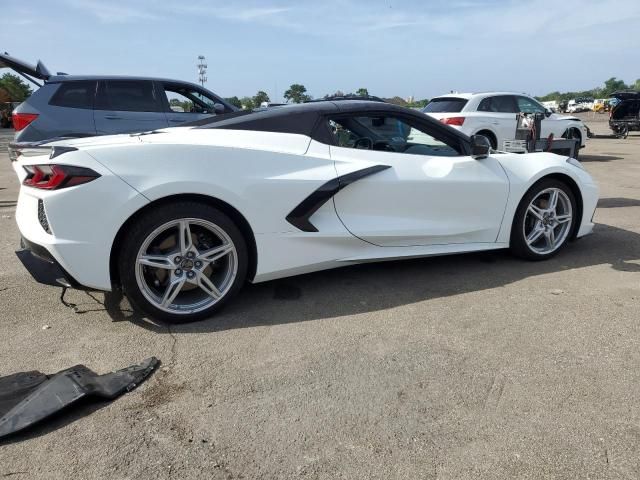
474 366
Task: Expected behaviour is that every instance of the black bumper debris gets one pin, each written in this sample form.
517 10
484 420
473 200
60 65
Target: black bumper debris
29 397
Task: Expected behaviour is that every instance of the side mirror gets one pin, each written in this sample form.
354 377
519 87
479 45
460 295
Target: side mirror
480 147
547 112
218 108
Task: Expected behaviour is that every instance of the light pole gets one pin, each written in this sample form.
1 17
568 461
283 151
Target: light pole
202 70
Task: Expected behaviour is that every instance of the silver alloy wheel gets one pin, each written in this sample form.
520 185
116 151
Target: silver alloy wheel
547 221
186 265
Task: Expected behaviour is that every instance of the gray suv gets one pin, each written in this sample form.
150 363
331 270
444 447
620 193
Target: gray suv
80 106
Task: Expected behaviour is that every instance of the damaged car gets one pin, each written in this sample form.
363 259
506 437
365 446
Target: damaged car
180 218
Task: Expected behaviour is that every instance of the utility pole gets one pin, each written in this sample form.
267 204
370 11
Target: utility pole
202 70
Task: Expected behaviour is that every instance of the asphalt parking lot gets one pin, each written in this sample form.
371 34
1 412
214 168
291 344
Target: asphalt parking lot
475 366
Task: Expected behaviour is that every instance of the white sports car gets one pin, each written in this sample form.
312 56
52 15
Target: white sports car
493 114
180 218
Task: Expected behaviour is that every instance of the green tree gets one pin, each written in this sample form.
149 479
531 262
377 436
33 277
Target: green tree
247 103
396 101
297 93
362 92
613 85
15 87
235 101
418 103
259 98
186 106
636 86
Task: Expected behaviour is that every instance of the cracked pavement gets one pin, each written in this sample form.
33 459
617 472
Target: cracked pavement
474 366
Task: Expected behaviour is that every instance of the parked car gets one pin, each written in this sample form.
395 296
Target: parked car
279 192
82 105
625 114
493 114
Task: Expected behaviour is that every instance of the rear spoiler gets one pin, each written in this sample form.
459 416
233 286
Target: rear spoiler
37 149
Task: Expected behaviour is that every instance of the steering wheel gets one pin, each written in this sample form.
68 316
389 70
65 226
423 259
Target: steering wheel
363 143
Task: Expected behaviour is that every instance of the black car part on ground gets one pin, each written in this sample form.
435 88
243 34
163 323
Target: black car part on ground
27 398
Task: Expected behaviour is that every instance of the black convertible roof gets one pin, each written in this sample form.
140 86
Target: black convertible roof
298 118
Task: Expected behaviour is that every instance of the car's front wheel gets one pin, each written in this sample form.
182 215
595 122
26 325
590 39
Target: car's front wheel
182 262
544 220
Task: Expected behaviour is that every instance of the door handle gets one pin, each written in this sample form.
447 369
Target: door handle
177 120
112 117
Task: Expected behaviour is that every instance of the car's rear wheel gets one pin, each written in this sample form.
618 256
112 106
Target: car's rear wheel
182 262
491 137
544 220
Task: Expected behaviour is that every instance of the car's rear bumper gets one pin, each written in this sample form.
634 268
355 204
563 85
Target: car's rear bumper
43 267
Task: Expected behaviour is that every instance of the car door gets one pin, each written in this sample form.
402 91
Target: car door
548 124
426 189
185 103
501 112
124 106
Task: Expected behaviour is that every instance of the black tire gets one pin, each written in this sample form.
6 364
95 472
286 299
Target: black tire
148 223
518 244
575 134
491 137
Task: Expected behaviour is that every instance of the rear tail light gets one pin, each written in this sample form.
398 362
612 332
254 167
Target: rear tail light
21 120
54 177
457 121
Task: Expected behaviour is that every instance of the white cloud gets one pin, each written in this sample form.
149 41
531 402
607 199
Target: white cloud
112 12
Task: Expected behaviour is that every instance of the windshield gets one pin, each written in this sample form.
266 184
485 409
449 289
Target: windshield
445 105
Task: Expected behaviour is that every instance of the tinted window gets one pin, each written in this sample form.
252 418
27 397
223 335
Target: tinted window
129 96
389 134
498 104
181 99
445 105
74 95
528 105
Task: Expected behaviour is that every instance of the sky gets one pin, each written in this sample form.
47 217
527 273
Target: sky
405 48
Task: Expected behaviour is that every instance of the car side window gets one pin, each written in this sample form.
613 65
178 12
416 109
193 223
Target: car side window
78 94
390 134
498 104
528 105
181 99
128 96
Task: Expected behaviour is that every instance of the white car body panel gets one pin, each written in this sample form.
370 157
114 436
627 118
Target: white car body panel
402 206
420 206
503 125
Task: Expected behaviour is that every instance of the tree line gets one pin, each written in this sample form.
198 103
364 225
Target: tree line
14 89
297 93
610 86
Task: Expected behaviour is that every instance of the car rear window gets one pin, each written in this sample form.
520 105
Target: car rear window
74 95
445 105
128 96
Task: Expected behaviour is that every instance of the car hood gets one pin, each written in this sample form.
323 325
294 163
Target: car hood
567 118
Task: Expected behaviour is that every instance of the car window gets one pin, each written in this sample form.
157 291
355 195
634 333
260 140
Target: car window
74 95
182 99
389 134
128 96
498 104
528 105
450 104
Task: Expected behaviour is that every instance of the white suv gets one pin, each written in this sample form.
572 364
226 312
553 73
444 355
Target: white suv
493 114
